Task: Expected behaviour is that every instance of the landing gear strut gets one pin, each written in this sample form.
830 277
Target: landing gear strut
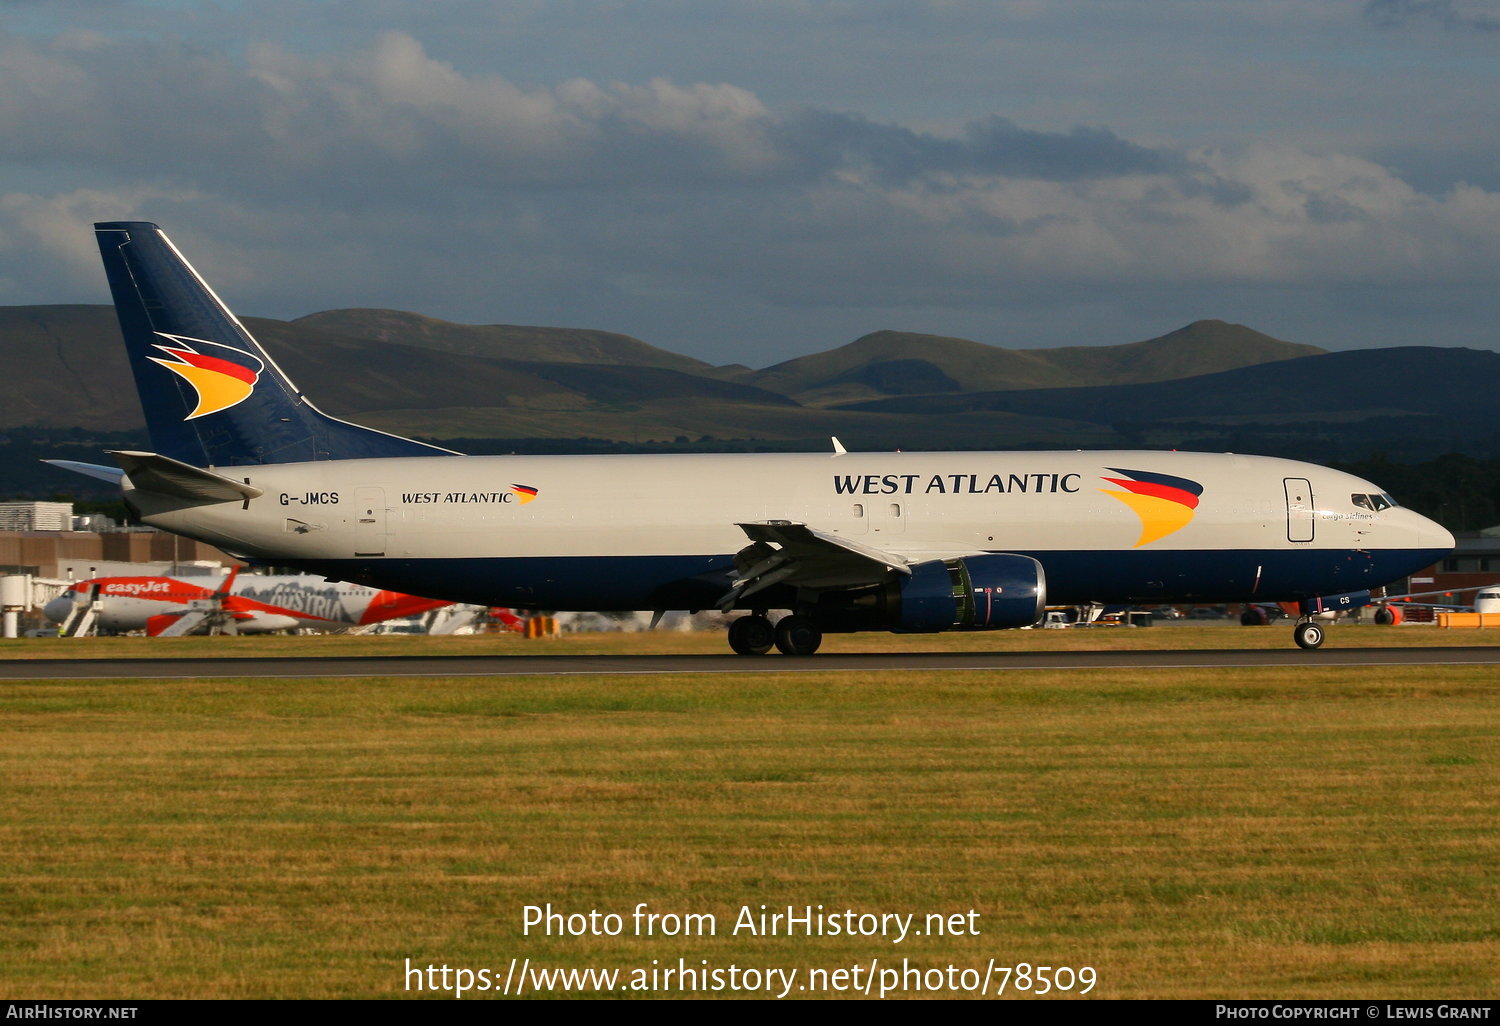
751 635
1307 635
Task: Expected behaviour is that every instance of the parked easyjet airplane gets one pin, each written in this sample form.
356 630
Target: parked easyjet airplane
238 604
909 542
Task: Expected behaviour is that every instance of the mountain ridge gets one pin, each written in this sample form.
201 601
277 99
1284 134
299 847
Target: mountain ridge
1237 388
878 360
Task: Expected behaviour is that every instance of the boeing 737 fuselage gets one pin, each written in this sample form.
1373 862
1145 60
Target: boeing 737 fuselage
910 542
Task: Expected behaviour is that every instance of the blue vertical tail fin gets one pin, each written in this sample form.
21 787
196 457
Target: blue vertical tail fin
212 395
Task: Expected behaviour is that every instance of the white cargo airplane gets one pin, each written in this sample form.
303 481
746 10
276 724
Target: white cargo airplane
908 542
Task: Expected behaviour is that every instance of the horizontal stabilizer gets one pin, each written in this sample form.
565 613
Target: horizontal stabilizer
110 474
163 475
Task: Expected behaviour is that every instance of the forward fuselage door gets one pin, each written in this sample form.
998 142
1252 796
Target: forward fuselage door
369 521
1299 509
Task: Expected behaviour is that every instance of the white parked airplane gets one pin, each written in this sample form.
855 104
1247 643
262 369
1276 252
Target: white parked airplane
1486 600
907 542
164 606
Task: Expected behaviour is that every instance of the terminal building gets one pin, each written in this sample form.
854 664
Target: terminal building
36 516
1473 564
42 552
77 555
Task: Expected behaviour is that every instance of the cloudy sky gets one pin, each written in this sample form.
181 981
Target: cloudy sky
751 180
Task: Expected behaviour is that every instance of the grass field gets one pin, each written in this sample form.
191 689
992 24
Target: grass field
1188 635
1189 834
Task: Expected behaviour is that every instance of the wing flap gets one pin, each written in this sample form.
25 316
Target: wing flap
805 543
784 551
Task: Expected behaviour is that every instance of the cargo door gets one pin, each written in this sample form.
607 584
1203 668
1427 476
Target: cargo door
369 521
1299 509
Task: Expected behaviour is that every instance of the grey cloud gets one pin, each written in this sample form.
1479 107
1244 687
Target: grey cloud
997 145
991 146
622 204
1450 14
391 118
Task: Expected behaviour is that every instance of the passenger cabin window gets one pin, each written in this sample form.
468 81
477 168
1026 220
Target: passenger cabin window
859 509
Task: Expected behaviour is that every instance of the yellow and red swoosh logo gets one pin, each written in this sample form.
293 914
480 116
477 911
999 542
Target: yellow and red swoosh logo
221 375
1164 503
523 492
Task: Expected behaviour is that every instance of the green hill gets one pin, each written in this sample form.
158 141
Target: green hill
499 341
1408 401
64 367
877 363
888 363
1208 385
1203 347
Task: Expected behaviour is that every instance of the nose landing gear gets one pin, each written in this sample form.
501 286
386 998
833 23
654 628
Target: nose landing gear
1308 635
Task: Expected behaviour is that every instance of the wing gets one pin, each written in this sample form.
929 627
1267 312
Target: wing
213 613
785 552
1406 599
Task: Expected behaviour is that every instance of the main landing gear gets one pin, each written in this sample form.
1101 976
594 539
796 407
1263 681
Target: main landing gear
793 635
751 635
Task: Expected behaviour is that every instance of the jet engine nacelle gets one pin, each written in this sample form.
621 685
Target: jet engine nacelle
971 594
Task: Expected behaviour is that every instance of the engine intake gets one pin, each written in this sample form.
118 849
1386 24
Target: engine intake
970 594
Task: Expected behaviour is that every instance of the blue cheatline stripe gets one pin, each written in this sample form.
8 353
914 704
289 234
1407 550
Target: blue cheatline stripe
696 581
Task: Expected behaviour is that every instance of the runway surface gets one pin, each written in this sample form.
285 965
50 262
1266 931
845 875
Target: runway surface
574 665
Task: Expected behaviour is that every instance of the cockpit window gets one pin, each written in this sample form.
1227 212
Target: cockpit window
1362 501
1374 503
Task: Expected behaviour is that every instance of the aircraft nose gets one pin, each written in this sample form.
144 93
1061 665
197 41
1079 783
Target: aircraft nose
1433 535
58 609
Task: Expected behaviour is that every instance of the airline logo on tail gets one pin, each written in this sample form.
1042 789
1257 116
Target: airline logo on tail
1164 503
221 375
